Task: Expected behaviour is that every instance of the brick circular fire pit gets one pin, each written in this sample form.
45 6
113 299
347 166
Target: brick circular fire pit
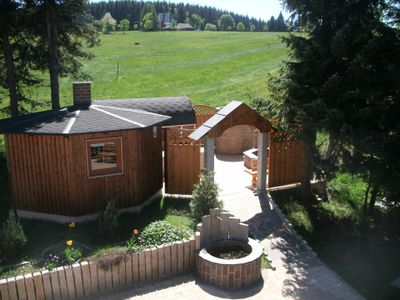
230 273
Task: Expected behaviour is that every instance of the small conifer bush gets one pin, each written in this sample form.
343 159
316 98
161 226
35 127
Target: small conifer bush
12 237
108 220
205 196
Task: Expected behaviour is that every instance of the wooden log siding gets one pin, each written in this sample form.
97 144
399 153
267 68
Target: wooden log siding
49 173
104 275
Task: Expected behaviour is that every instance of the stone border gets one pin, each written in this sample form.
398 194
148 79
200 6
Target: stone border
106 273
31 215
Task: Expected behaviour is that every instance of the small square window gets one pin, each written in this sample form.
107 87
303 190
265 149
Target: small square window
104 156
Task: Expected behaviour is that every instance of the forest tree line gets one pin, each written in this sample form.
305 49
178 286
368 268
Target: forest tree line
131 11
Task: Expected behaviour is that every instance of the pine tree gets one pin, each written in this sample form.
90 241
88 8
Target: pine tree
63 28
343 74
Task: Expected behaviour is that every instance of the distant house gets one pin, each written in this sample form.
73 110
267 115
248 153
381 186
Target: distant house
165 20
184 26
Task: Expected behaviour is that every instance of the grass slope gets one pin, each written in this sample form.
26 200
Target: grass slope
208 67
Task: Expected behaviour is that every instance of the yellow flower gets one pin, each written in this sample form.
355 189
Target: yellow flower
71 225
135 231
70 243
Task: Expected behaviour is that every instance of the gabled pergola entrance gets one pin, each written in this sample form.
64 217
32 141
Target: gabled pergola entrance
233 114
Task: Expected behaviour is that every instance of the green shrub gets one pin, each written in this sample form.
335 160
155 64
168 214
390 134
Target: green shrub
210 27
135 245
12 237
205 196
108 220
347 188
72 255
161 232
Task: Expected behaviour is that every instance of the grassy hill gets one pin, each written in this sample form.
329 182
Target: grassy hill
208 67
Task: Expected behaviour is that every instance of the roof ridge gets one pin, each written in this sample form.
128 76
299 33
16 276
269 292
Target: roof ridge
116 116
131 109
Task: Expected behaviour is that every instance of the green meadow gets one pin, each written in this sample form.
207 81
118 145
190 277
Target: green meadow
208 67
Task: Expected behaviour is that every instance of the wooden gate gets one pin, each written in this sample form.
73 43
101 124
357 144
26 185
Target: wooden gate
182 161
285 163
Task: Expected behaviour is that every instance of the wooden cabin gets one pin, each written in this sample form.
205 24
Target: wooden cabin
65 165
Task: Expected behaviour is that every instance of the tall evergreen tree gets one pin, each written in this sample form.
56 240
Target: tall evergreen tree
343 79
17 48
63 27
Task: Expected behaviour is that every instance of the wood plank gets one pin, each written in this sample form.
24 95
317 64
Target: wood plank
55 285
135 267
122 272
87 284
115 275
76 269
39 289
174 258
186 255
63 283
108 277
161 261
101 273
3 290
149 270
19 281
142 266
48 293
12 288
93 278
180 257
154 263
167 260
69 276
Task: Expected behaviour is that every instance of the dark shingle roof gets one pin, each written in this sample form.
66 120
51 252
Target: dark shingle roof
106 115
180 109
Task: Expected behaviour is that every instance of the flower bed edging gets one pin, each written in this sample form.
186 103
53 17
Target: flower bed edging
105 274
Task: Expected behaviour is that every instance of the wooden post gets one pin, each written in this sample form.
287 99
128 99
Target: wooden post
262 161
209 154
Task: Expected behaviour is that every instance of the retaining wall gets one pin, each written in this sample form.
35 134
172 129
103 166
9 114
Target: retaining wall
107 273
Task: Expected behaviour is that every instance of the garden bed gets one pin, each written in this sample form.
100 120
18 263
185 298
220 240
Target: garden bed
45 238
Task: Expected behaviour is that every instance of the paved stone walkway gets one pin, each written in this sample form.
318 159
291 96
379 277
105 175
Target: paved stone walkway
299 273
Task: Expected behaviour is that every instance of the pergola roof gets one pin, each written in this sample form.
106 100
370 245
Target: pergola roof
234 114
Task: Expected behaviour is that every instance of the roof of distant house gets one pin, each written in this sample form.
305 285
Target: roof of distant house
184 26
104 115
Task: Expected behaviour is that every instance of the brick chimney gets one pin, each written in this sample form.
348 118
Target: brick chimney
81 93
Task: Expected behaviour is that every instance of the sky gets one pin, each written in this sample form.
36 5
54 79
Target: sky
262 9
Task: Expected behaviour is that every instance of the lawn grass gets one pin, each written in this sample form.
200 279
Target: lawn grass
362 250
43 235
209 67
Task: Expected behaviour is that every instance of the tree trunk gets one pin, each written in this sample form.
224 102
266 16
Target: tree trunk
366 196
331 146
11 80
371 205
53 64
308 167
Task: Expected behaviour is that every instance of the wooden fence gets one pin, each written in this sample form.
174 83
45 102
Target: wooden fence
285 164
106 274
182 162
